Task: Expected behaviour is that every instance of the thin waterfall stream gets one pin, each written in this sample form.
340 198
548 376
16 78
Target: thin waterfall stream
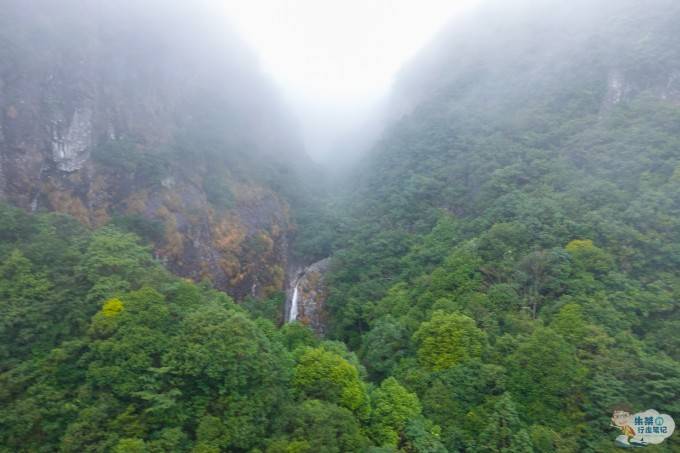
306 295
293 314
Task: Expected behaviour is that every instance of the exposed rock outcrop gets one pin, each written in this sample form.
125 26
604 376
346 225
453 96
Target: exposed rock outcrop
108 112
309 292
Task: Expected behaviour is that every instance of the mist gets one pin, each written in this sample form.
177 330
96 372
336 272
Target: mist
339 226
335 62
348 69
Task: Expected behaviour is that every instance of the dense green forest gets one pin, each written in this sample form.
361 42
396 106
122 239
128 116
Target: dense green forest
514 253
505 271
104 350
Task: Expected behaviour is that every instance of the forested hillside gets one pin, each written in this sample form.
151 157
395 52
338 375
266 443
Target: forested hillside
514 260
504 264
154 116
101 349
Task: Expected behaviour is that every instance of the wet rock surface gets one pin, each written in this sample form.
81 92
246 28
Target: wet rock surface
310 297
109 120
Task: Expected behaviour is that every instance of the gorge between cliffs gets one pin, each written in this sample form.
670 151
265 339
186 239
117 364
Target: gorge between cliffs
487 260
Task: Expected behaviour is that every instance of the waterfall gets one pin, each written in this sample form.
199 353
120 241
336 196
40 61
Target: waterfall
294 305
34 202
306 296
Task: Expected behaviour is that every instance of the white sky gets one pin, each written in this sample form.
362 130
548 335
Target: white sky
332 56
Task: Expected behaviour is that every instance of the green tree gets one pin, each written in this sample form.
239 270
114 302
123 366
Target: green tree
28 315
120 256
223 357
447 339
325 375
319 426
383 346
392 408
588 256
503 431
546 379
543 275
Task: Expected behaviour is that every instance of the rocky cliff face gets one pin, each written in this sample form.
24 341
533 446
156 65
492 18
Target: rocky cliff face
308 290
140 115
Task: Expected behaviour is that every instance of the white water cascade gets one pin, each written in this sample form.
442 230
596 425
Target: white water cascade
293 314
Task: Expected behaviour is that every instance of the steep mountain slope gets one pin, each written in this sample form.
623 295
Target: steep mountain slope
152 116
507 271
527 209
549 69
104 350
